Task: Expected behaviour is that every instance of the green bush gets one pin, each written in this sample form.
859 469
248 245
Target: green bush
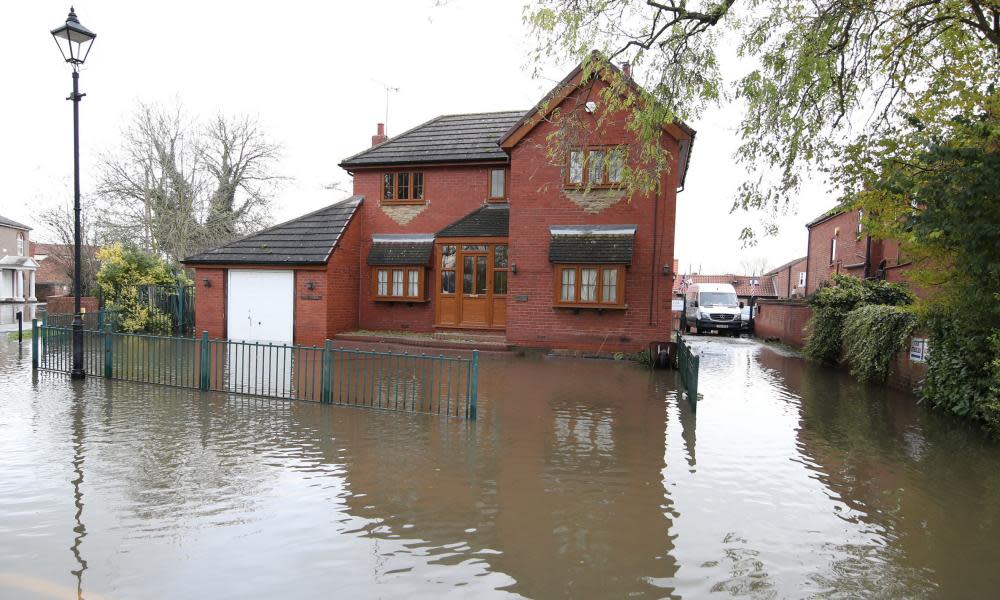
831 305
123 270
873 335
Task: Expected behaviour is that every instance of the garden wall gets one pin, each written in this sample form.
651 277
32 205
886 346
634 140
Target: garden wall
782 320
63 305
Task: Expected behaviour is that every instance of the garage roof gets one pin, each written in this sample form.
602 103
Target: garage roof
306 240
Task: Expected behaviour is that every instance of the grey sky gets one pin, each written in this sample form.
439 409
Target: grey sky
311 71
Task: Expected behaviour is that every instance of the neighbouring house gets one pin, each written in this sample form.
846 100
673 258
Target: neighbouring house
17 268
838 243
52 276
789 280
749 288
472 222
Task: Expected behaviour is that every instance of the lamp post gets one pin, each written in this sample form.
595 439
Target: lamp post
74 41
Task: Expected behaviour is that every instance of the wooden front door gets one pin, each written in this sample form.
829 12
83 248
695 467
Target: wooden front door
472 286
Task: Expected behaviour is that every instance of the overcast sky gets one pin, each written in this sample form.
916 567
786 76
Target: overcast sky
313 73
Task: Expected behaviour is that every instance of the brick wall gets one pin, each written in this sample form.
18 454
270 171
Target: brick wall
343 279
850 249
210 302
782 320
63 305
451 193
786 280
538 200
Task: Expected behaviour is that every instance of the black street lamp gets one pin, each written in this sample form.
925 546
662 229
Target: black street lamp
74 41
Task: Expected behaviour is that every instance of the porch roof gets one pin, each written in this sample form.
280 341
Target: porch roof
491 220
391 250
592 244
25 263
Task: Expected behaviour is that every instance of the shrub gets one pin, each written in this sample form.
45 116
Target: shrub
123 270
831 305
873 334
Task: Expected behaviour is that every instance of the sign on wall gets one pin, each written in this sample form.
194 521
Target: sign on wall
677 305
919 349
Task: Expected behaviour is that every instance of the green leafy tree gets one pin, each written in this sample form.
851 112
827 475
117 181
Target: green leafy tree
123 273
820 84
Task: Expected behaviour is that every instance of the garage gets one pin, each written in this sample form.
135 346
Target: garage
260 305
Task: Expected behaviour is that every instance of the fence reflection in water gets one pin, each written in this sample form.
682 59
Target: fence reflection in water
373 379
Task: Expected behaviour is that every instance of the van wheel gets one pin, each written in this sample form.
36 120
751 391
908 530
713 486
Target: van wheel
700 330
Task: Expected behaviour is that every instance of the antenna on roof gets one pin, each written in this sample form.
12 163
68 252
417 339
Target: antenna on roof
388 89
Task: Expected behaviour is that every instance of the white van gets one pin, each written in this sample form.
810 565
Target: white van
713 306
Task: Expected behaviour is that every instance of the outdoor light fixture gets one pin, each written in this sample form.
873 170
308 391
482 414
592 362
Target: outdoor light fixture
74 41
310 285
207 282
513 268
666 269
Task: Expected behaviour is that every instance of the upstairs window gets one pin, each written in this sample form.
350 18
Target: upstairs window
20 244
833 250
403 188
595 167
802 279
498 184
861 225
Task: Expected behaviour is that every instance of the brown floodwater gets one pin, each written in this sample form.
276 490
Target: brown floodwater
581 479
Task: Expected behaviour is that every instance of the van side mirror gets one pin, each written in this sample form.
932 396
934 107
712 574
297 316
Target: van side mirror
741 305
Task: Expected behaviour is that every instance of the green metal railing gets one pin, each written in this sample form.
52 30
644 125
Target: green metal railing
416 383
98 320
687 364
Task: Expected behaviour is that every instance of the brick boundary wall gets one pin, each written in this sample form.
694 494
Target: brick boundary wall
63 305
782 320
786 321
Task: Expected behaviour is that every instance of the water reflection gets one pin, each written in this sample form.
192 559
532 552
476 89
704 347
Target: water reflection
582 479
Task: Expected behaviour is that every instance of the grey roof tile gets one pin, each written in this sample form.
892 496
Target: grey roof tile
448 138
389 250
5 222
492 220
600 244
309 239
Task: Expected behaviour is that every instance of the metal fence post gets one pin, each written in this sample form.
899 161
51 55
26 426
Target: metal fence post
108 351
204 380
325 371
34 343
475 385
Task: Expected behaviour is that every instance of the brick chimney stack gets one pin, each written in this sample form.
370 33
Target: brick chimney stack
379 137
627 70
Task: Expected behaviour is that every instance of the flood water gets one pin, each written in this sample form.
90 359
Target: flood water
581 479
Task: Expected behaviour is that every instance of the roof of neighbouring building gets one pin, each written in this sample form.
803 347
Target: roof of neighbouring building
492 220
400 249
5 222
592 244
306 240
833 212
444 139
764 288
790 263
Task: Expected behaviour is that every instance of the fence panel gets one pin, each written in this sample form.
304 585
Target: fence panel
688 363
364 378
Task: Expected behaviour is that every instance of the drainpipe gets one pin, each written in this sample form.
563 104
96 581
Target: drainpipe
868 256
809 239
656 251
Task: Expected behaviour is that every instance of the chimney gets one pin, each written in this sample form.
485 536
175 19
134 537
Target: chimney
379 137
627 70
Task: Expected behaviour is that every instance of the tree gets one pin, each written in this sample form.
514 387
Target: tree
754 265
176 187
822 76
60 222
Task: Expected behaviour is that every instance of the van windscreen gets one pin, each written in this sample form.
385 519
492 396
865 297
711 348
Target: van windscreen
719 299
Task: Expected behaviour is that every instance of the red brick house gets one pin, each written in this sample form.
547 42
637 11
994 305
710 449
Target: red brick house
838 243
789 280
472 222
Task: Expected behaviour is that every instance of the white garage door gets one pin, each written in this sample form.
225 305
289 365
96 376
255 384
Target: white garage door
260 305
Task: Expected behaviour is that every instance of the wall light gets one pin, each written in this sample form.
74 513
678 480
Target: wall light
310 285
513 268
206 282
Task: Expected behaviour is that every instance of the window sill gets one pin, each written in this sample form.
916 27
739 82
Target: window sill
575 187
592 306
406 300
403 202
497 200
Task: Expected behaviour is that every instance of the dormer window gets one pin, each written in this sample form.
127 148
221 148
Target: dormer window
403 188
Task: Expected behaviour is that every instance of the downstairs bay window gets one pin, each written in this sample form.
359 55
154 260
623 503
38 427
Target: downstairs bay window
398 284
590 286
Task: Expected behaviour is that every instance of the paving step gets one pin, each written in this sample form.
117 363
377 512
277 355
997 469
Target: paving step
493 344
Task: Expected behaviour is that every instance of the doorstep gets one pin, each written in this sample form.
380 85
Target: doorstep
449 341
